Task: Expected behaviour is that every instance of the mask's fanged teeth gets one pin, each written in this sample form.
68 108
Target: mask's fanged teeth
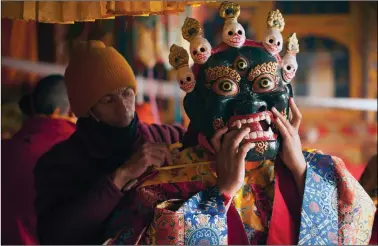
268 120
257 119
238 124
246 136
250 120
260 134
243 121
270 130
253 135
262 117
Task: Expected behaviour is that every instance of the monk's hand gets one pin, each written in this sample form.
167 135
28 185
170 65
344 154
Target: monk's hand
291 153
230 159
149 154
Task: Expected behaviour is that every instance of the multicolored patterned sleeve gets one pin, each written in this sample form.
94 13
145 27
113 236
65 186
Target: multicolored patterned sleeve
335 208
199 220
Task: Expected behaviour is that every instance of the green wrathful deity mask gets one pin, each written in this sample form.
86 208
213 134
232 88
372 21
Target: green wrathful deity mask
238 84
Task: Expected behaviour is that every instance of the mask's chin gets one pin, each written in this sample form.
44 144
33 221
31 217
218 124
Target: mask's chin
265 150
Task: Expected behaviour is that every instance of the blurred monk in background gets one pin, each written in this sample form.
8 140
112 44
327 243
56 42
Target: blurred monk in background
49 122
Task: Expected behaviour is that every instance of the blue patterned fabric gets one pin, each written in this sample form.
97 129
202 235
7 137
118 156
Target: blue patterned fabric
205 219
319 220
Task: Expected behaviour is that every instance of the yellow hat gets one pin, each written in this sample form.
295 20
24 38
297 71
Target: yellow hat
93 71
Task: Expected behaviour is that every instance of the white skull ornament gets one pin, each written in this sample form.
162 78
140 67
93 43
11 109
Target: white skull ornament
200 50
233 34
179 59
186 79
289 67
273 41
289 61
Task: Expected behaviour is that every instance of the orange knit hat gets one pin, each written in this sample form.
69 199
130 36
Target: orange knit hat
93 71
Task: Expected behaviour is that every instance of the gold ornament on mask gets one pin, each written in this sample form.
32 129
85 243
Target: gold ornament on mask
191 29
261 147
215 73
292 44
265 68
276 20
178 57
229 11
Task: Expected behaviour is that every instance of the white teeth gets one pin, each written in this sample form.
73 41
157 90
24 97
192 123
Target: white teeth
246 136
257 119
260 134
262 117
238 124
233 124
243 121
250 120
268 120
266 134
253 135
270 131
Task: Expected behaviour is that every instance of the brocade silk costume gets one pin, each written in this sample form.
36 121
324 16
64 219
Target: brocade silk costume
236 84
183 206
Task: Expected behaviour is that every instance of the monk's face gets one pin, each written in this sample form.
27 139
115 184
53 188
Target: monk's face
116 108
238 88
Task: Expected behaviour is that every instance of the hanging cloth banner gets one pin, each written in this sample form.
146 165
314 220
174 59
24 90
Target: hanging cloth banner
67 12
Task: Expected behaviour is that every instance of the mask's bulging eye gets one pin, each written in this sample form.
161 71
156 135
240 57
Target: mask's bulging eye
241 65
225 87
264 83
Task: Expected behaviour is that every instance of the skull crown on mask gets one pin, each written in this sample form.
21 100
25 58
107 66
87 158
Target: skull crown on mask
273 40
238 83
289 61
200 50
179 59
233 32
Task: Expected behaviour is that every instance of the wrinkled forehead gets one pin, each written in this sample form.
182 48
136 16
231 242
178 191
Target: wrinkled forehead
254 55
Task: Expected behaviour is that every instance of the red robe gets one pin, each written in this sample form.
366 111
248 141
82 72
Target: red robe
19 157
